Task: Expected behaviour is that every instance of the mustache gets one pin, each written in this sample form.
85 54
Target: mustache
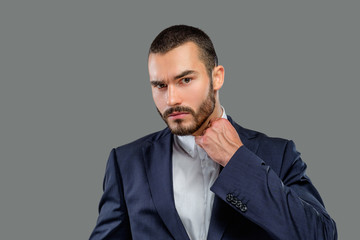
178 109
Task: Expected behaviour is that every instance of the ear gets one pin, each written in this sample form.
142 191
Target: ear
218 75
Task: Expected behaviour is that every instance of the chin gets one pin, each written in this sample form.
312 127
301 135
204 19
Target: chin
183 130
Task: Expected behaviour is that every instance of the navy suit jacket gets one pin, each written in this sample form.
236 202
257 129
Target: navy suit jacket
262 193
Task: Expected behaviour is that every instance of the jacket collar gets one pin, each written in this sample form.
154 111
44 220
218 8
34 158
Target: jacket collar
246 136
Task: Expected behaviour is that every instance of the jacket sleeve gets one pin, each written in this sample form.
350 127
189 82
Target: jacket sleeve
113 221
286 205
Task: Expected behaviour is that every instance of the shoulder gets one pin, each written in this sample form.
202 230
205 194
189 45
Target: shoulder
279 153
137 145
259 137
273 150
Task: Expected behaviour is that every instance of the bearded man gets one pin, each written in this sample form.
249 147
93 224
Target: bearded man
204 176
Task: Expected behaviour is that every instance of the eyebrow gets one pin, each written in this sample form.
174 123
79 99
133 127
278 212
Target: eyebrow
156 83
181 75
184 73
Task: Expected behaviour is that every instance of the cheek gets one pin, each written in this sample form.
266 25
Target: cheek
197 94
159 100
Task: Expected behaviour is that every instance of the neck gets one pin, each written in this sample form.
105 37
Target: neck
217 113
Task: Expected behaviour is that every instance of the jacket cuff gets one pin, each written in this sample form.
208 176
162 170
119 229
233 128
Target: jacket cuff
243 168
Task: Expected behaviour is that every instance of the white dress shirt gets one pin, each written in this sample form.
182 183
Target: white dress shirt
193 174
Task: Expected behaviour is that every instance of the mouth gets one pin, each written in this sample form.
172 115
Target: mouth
178 115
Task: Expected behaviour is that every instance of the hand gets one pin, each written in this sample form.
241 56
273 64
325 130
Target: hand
220 141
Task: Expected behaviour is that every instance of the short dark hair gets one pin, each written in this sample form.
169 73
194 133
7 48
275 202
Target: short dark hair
177 35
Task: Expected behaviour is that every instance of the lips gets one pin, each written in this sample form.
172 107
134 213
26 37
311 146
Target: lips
176 115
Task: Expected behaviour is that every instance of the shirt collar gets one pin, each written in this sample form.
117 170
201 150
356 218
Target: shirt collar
187 143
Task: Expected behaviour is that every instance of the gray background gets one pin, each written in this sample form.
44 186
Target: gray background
74 84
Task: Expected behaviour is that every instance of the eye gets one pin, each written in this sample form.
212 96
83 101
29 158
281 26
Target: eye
161 85
186 80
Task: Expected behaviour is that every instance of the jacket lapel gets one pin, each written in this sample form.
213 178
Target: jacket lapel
220 218
157 157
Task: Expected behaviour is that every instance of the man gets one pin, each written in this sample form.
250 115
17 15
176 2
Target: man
204 176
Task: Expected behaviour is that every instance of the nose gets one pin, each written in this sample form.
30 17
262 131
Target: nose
173 97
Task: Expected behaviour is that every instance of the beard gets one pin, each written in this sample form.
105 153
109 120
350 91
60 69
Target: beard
199 117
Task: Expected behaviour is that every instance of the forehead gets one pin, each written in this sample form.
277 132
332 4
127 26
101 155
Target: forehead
182 58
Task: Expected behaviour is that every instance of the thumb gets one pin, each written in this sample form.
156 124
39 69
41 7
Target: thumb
198 140
213 120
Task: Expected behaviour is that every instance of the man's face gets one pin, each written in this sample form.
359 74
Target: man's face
181 88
